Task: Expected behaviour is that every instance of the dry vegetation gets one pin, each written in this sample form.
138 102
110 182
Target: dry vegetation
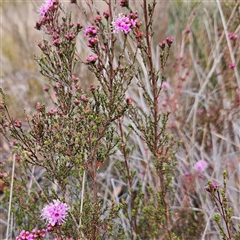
203 97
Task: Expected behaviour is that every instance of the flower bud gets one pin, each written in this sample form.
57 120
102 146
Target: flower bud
84 98
169 41
38 106
106 14
46 88
17 123
79 26
98 18
162 45
129 101
232 65
92 87
124 3
75 79
76 102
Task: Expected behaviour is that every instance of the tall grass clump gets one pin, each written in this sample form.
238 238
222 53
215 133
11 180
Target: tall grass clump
94 182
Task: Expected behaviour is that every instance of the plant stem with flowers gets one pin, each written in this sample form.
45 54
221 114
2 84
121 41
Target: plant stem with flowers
225 212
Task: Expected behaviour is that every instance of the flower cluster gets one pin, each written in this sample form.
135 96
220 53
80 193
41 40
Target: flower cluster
162 44
18 124
124 23
91 31
92 41
34 234
168 41
47 11
55 213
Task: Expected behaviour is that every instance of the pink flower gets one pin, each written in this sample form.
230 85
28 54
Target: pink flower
45 7
57 42
232 36
91 31
84 98
212 186
6 124
55 213
165 85
188 176
52 111
133 22
18 124
123 24
43 10
232 65
92 58
200 111
201 166
46 88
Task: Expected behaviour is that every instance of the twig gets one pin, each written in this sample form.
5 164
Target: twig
10 198
82 195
